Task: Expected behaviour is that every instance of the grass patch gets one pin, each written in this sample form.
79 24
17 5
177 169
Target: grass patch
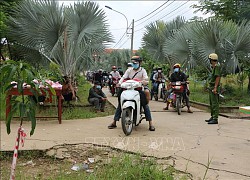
109 164
234 96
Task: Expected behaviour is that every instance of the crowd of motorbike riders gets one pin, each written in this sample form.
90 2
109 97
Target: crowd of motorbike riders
163 88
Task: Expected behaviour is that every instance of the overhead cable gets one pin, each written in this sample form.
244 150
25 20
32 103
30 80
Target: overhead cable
152 12
121 38
175 9
168 14
123 44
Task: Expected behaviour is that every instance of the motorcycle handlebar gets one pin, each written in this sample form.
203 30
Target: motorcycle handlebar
181 83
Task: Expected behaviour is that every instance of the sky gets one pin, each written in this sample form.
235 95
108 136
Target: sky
136 10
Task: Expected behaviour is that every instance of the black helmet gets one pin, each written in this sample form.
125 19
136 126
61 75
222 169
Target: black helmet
137 58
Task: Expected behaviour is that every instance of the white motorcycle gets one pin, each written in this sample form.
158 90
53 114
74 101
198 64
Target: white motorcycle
130 105
161 91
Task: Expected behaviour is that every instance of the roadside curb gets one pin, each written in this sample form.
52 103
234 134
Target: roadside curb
225 111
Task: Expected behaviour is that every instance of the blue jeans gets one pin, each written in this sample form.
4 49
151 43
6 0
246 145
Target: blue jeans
118 112
155 87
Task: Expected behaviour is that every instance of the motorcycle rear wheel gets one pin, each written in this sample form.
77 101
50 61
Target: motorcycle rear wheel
127 121
178 105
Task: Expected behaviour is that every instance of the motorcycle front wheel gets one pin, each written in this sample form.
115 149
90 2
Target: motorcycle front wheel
127 121
178 105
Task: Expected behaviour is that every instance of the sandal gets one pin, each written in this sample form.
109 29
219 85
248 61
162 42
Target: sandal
151 128
112 126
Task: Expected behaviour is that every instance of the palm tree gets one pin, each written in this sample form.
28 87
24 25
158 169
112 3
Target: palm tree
156 36
66 35
196 40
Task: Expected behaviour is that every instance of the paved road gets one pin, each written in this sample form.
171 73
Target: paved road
186 139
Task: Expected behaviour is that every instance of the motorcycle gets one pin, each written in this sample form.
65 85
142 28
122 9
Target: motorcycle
161 91
114 89
176 98
130 105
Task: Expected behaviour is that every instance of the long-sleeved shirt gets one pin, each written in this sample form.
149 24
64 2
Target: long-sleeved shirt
141 75
158 75
115 74
96 93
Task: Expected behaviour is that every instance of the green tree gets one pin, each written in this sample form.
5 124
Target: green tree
6 9
236 10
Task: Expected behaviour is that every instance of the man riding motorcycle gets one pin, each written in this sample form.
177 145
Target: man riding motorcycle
178 75
136 73
114 74
158 77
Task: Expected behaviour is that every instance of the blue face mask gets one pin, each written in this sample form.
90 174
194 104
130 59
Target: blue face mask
136 66
98 87
176 69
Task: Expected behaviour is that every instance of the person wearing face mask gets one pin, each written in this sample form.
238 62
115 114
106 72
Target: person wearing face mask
178 75
113 74
158 76
214 85
97 97
139 73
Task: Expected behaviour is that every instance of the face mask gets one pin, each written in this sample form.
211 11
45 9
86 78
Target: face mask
136 66
159 71
176 69
130 67
154 71
98 87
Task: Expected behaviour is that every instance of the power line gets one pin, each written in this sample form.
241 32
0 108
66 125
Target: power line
155 14
121 38
180 14
152 12
174 9
168 14
123 44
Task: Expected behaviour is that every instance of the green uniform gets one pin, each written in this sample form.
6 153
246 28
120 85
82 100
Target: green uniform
214 98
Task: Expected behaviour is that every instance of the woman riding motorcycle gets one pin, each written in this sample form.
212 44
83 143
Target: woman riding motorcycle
136 73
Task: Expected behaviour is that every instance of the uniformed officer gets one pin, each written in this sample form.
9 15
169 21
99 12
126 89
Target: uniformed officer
214 86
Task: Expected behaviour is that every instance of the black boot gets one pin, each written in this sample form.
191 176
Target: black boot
213 121
207 120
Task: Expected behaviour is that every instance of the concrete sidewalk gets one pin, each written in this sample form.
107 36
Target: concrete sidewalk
185 139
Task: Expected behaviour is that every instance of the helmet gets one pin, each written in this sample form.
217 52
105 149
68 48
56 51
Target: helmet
213 56
113 67
100 70
177 65
137 58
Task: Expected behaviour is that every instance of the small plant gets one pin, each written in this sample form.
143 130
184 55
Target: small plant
21 75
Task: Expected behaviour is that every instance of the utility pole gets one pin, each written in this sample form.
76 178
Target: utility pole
132 37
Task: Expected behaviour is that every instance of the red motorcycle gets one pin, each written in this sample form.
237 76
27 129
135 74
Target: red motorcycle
114 88
176 98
